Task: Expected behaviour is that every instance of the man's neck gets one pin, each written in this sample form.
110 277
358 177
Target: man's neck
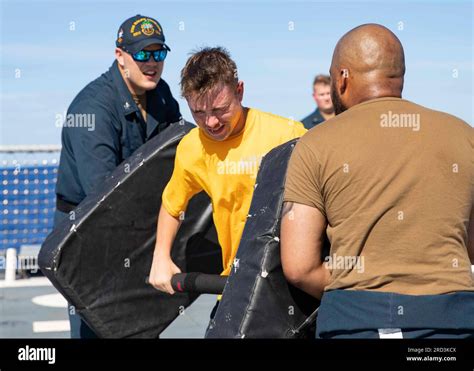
327 115
134 90
241 124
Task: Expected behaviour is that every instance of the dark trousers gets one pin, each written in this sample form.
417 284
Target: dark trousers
214 310
79 328
406 334
345 314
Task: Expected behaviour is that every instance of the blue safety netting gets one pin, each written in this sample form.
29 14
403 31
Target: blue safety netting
27 203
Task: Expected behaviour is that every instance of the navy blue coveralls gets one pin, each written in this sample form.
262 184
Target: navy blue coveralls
103 127
88 155
312 119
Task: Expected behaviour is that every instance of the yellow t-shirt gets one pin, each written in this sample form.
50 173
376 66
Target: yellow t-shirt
226 171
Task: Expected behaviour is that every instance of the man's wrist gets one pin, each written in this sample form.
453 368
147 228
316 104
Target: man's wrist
161 254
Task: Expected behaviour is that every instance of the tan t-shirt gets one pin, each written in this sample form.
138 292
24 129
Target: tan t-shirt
395 181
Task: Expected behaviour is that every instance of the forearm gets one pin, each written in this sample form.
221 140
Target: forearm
470 237
162 268
167 228
314 282
302 238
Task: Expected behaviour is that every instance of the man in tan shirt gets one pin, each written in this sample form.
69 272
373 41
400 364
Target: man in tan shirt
392 184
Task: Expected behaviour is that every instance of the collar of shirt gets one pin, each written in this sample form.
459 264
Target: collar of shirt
317 117
128 104
126 100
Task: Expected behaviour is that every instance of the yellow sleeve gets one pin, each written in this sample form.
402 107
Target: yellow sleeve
183 184
299 129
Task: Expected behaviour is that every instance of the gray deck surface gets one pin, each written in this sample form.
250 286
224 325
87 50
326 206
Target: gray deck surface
18 313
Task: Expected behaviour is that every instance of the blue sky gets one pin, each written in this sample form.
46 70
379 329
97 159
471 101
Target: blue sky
279 46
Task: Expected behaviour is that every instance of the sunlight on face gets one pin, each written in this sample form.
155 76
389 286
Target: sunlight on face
322 96
143 76
218 111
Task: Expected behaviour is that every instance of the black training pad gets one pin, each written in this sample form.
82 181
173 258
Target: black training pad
100 260
257 301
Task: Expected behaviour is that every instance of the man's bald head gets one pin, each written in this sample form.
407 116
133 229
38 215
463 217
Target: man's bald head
368 63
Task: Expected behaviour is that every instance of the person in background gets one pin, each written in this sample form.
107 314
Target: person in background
324 107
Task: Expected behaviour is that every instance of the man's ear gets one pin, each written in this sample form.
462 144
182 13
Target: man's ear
343 80
240 90
119 57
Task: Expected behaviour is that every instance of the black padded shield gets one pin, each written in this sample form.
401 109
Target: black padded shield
99 261
257 301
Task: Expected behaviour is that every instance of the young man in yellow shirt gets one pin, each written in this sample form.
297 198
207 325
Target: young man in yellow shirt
221 156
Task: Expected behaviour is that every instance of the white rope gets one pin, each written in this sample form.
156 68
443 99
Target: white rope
30 148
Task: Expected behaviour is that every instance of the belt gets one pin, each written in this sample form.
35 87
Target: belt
65 206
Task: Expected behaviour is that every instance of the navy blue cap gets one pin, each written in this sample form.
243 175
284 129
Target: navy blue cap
138 32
